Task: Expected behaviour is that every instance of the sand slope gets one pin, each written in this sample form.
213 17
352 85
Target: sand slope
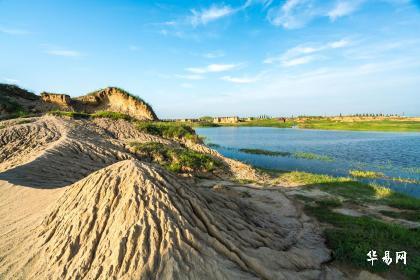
76 204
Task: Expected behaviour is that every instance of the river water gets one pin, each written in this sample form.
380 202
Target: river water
397 155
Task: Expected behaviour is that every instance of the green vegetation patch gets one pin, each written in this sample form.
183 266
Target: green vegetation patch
306 155
353 190
169 130
70 114
372 125
406 215
265 152
179 160
352 238
111 115
366 174
99 114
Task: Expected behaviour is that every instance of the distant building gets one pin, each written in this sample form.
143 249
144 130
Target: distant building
226 119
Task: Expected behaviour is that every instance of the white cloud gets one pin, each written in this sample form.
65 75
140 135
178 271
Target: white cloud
343 8
241 80
212 68
293 14
190 77
211 14
66 53
303 54
214 54
339 44
298 61
13 31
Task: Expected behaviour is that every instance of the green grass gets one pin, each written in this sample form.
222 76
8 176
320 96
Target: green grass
312 156
99 114
265 152
70 114
366 174
330 202
374 125
170 130
179 160
111 115
406 215
203 124
353 190
375 175
304 155
352 238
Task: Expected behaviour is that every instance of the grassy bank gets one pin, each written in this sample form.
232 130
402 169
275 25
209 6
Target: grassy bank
371 125
351 237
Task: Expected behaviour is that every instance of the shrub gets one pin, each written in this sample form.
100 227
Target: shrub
169 130
111 115
176 159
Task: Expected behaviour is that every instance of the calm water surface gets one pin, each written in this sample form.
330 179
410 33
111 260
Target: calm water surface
394 154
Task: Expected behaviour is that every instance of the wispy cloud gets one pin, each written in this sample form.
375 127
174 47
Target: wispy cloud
212 68
213 13
241 80
62 52
214 54
13 31
298 60
293 14
190 77
344 8
303 54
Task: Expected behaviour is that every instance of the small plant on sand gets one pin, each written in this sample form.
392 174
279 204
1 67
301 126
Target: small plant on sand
177 159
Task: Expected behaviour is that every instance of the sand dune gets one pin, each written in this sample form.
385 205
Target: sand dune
76 204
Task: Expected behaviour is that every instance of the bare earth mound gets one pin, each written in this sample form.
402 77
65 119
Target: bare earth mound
15 101
112 216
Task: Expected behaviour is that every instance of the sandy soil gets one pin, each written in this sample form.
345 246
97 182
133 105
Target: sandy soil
76 204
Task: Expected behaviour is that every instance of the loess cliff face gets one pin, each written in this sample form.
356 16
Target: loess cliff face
77 204
62 100
115 100
15 101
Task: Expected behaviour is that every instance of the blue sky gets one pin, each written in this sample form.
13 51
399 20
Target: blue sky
195 58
